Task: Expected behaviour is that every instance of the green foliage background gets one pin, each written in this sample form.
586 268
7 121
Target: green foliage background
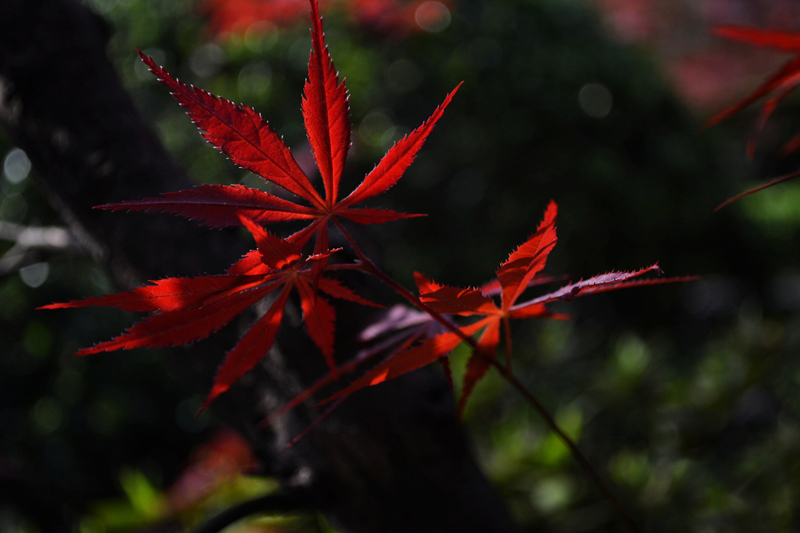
684 396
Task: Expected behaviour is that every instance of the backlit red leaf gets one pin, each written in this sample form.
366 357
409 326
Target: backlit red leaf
250 264
275 252
478 363
181 327
219 205
409 360
325 111
453 300
397 159
302 237
241 133
250 349
170 294
319 317
529 259
337 290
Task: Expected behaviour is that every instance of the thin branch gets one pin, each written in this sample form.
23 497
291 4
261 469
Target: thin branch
756 189
271 503
576 453
370 267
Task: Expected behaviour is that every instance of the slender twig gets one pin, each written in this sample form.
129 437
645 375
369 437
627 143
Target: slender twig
370 267
271 503
507 331
576 453
756 189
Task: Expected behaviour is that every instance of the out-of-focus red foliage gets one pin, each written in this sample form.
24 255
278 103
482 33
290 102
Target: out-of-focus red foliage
217 462
705 71
238 15
777 86
391 17
396 17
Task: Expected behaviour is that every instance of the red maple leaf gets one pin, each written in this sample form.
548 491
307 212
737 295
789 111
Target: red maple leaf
190 309
247 139
514 276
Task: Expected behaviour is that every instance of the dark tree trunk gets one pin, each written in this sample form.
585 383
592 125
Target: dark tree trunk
390 459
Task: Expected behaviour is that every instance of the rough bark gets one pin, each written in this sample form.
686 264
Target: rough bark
390 459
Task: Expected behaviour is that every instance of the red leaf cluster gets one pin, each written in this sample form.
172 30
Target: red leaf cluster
514 276
185 310
189 309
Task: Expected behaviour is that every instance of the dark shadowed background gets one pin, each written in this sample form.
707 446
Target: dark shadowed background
684 396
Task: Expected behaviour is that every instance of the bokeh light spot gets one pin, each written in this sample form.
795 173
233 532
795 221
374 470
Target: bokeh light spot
595 100
432 17
16 165
34 275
